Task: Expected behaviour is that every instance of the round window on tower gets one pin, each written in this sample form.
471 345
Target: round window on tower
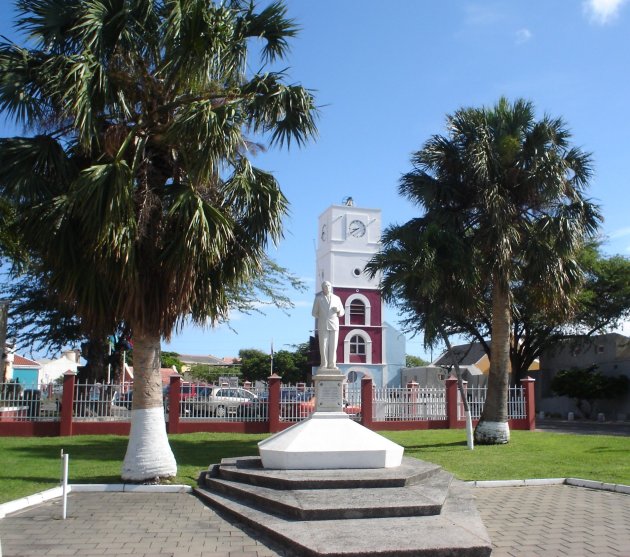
357 272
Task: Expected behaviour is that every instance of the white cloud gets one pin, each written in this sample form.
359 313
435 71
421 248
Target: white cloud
523 35
602 11
482 14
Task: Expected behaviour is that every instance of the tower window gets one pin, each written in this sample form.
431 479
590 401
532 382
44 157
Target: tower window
357 345
357 312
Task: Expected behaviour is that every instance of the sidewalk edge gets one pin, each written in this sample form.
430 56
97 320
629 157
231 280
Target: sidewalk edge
55 492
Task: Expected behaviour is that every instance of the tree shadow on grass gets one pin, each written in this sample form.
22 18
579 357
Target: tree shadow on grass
198 451
435 445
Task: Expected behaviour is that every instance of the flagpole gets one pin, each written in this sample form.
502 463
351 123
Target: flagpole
271 357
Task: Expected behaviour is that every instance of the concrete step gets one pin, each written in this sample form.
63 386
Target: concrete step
423 499
249 470
456 532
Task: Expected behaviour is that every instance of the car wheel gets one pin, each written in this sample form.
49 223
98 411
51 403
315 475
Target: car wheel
220 412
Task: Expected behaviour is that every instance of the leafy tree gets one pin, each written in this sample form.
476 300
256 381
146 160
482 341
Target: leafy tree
4 310
593 305
137 193
9 243
212 374
170 359
503 194
255 364
604 302
292 366
586 385
39 320
415 361
424 275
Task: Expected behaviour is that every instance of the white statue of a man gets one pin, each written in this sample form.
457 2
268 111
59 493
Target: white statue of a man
327 309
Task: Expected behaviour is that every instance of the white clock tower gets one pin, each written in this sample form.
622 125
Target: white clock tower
348 237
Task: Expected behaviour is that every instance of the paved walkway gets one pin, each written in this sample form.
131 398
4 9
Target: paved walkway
583 427
555 520
522 521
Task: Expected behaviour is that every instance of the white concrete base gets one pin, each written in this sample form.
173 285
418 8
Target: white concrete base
328 440
148 453
492 433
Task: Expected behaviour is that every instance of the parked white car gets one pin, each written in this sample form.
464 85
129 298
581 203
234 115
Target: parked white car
222 402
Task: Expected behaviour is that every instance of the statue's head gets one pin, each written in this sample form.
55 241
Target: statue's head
326 287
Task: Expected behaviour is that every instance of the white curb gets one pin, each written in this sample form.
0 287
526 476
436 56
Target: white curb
55 492
43 496
589 484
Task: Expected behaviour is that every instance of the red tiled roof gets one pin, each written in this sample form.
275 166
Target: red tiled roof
166 373
21 361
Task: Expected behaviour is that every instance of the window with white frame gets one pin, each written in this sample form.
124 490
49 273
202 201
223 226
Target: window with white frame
357 345
358 310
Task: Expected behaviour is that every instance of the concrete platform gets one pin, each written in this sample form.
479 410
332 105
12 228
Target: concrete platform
415 509
329 440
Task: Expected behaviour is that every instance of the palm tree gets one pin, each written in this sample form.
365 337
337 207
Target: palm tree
424 270
137 192
510 192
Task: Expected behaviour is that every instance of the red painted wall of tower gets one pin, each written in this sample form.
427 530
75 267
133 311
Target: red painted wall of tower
373 329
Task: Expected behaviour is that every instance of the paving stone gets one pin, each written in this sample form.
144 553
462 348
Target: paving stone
583 522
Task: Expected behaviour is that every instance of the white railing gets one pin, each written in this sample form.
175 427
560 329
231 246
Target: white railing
476 396
517 407
296 402
352 403
102 402
203 402
29 403
403 404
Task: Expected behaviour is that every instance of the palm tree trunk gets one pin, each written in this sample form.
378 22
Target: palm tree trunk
4 311
493 428
149 455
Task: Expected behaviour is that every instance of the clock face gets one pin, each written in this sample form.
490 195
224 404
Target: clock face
324 233
356 229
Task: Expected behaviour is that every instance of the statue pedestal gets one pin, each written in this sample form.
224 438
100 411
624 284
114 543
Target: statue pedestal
329 439
328 390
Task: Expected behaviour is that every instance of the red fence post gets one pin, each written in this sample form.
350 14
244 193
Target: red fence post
174 397
274 403
530 402
451 403
67 403
367 401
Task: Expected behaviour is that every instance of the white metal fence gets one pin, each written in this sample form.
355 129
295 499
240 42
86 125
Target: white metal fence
401 404
201 402
32 403
224 403
296 402
102 402
476 397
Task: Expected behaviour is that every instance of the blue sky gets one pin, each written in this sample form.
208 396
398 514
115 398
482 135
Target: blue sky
385 74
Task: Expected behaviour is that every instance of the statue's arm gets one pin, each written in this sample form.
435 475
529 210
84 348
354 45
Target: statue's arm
341 311
315 310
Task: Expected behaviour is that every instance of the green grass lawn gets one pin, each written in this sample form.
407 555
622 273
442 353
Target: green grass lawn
29 465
